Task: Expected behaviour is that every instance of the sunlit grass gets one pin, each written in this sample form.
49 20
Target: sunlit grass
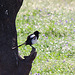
55 19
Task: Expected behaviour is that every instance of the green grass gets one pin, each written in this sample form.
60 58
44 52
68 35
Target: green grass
55 19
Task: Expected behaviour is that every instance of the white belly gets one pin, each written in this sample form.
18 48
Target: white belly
34 40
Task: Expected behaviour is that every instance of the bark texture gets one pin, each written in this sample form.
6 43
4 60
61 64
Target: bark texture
10 61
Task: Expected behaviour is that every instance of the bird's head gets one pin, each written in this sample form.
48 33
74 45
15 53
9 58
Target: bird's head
36 32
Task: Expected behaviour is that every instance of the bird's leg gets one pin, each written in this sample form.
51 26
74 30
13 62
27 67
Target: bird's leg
33 48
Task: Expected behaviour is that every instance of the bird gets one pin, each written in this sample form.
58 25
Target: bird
31 39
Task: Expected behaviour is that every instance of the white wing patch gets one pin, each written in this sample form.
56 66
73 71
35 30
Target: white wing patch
32 36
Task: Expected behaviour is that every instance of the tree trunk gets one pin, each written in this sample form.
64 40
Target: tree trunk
10 61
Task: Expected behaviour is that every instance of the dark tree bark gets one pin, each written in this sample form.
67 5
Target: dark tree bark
10 61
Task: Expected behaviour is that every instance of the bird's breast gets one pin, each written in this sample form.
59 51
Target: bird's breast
34 40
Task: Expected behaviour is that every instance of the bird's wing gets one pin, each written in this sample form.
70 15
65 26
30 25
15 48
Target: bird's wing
32 36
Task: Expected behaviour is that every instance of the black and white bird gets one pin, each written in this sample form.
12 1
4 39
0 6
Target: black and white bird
31 39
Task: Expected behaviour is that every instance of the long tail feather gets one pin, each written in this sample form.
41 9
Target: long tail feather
19 45
22 44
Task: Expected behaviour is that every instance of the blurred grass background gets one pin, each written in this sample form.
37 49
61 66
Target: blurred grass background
55 19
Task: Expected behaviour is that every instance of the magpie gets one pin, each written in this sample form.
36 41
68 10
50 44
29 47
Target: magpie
31 39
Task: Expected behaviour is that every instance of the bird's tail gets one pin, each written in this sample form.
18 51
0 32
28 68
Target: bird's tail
19 45
22 44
